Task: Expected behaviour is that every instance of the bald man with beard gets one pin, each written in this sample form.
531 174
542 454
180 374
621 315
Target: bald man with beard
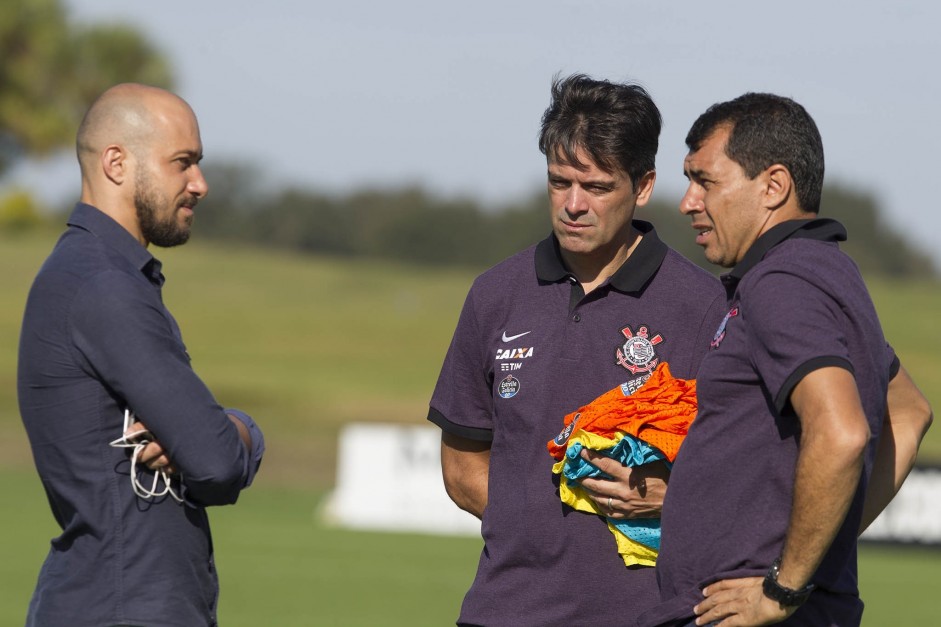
130 445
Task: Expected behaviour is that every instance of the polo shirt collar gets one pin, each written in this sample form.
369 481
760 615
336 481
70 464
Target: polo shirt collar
633 274
116 236
820 229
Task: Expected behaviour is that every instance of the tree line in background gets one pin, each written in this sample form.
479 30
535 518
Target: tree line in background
53 68
410 224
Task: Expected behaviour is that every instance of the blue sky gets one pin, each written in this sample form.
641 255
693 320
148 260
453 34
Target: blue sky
335 95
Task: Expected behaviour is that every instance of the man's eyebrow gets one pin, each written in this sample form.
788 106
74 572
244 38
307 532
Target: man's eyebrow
690 172
192 154
600 182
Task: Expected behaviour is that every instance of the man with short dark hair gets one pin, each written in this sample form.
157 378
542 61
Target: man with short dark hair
807 424
130 445
600 302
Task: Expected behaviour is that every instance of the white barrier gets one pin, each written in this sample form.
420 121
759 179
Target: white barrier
389 479
914 515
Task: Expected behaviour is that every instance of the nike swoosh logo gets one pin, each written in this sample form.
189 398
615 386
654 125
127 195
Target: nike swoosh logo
510 338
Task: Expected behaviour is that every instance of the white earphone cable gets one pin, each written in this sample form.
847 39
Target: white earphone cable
138 441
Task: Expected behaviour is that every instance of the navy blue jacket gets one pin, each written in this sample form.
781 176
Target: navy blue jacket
96 340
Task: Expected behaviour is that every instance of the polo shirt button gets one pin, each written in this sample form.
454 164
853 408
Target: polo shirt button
576 318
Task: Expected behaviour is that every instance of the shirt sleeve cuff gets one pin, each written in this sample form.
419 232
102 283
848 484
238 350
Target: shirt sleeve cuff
783 398
471 433
895 367
258 444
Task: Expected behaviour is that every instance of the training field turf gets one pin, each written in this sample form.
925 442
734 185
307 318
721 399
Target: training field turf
308 344
280 566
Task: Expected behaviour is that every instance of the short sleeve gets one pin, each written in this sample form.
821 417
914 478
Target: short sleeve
462 402
795 327
895 364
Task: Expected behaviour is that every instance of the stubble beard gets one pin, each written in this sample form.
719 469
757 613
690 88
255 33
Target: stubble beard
162 231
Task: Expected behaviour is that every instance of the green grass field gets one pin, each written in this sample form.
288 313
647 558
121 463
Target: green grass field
308 344
280 566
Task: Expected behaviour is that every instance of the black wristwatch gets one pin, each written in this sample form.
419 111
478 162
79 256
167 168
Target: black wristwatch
784 596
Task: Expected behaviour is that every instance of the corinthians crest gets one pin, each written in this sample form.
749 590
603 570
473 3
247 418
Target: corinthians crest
638 354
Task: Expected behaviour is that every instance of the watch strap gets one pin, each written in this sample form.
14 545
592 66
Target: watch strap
785 596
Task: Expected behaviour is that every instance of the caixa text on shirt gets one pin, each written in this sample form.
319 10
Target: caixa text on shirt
514 353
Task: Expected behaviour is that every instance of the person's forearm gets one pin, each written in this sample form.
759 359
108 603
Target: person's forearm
827 476
470 493
832 446
907 420
465 467
823 492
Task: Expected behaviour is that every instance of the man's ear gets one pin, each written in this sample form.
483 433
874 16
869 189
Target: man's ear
645 187
114 163
778 186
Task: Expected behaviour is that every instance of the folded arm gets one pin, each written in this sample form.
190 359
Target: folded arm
125 337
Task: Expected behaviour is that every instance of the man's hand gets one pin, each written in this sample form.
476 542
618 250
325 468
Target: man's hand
739 602
153 454
634 492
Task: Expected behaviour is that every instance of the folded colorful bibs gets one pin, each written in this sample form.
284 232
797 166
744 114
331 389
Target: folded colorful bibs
647 426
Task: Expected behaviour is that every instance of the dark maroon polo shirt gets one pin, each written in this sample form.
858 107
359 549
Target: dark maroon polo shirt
529 348
797 303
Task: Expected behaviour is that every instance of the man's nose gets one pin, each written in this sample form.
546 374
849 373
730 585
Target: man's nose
691 201
577 200
197 184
